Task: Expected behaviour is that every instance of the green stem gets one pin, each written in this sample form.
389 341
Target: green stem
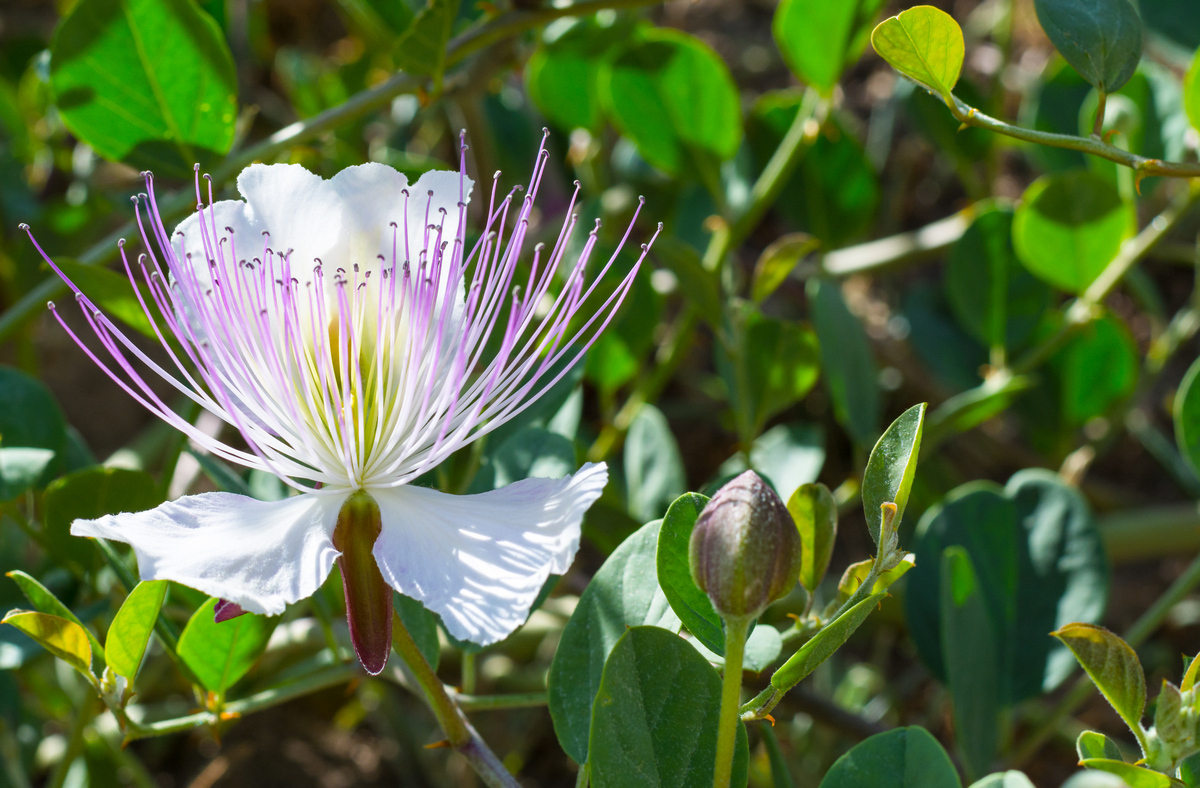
1083 688
970 116
468 674
82 720
731 698
447 714
520 700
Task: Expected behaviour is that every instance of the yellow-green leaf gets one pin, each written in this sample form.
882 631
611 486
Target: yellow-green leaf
1134 776
777 261
64 639
1191 91
925 44
131 627
1113 666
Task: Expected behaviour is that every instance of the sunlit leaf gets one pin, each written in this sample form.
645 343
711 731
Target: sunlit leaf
64 639
125 644
891 467
819 38
1113 666
925 44
221 654
814 509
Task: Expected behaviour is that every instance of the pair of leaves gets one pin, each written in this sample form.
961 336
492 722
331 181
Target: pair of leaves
1039 562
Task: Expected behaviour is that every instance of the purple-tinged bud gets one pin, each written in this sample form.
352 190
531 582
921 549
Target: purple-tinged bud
745 549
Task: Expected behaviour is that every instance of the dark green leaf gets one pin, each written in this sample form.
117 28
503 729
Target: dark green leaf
623 593
30 419
847 362
1040 564
691 604
970 654
654 473
125 643
819 38
1187 416
86 495
221 654
114 294
1113 666
891 467
1098 369
902 758
422 625
674 97
1070 226
421 49
1101 39
814 509
993 296
924 44
150 82
654 722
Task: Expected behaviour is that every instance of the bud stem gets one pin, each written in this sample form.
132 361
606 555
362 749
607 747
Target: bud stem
731 697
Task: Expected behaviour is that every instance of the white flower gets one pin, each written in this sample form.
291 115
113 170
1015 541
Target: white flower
341 328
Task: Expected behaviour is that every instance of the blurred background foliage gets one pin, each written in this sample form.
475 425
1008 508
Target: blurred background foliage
780 323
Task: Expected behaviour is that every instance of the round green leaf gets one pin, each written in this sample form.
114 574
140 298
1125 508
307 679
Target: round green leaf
656 715
691 604
901 758
1098 369
125 644
623 593
1187 416
819 38
1040 563
563 74
220 654
674 97
925 44
150 82
1101 39
1070 226
993 296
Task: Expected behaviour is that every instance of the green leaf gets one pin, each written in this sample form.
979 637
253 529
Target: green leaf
1134 776
1191 91
821 647
88 494
1010 779
976 405
562 75
1040 563
422 625
220 654
1113 666
1189 770
924 44
814 509
654 472
1098 369
125 644
698 284
1187 416
623 593
656 715
534 452
1069 227
891 467
674 572
901 758
44 601
846 361
993 296
30 419
781 365
114 293
150 82
1091 744
674 97
777 261
834 192
219 473
819 39
421 49
1101 39
969 651
763 647
789 455
64 639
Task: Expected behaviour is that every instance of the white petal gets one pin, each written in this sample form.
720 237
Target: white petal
247 241
302 211
449 189
373 195
480 560
261 555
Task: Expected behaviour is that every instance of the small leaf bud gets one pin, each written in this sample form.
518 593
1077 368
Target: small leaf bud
745 549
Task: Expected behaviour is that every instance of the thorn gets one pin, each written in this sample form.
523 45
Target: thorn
437 745
769 719
794 617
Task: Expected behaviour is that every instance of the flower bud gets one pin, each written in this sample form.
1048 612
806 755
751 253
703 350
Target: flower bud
745 549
